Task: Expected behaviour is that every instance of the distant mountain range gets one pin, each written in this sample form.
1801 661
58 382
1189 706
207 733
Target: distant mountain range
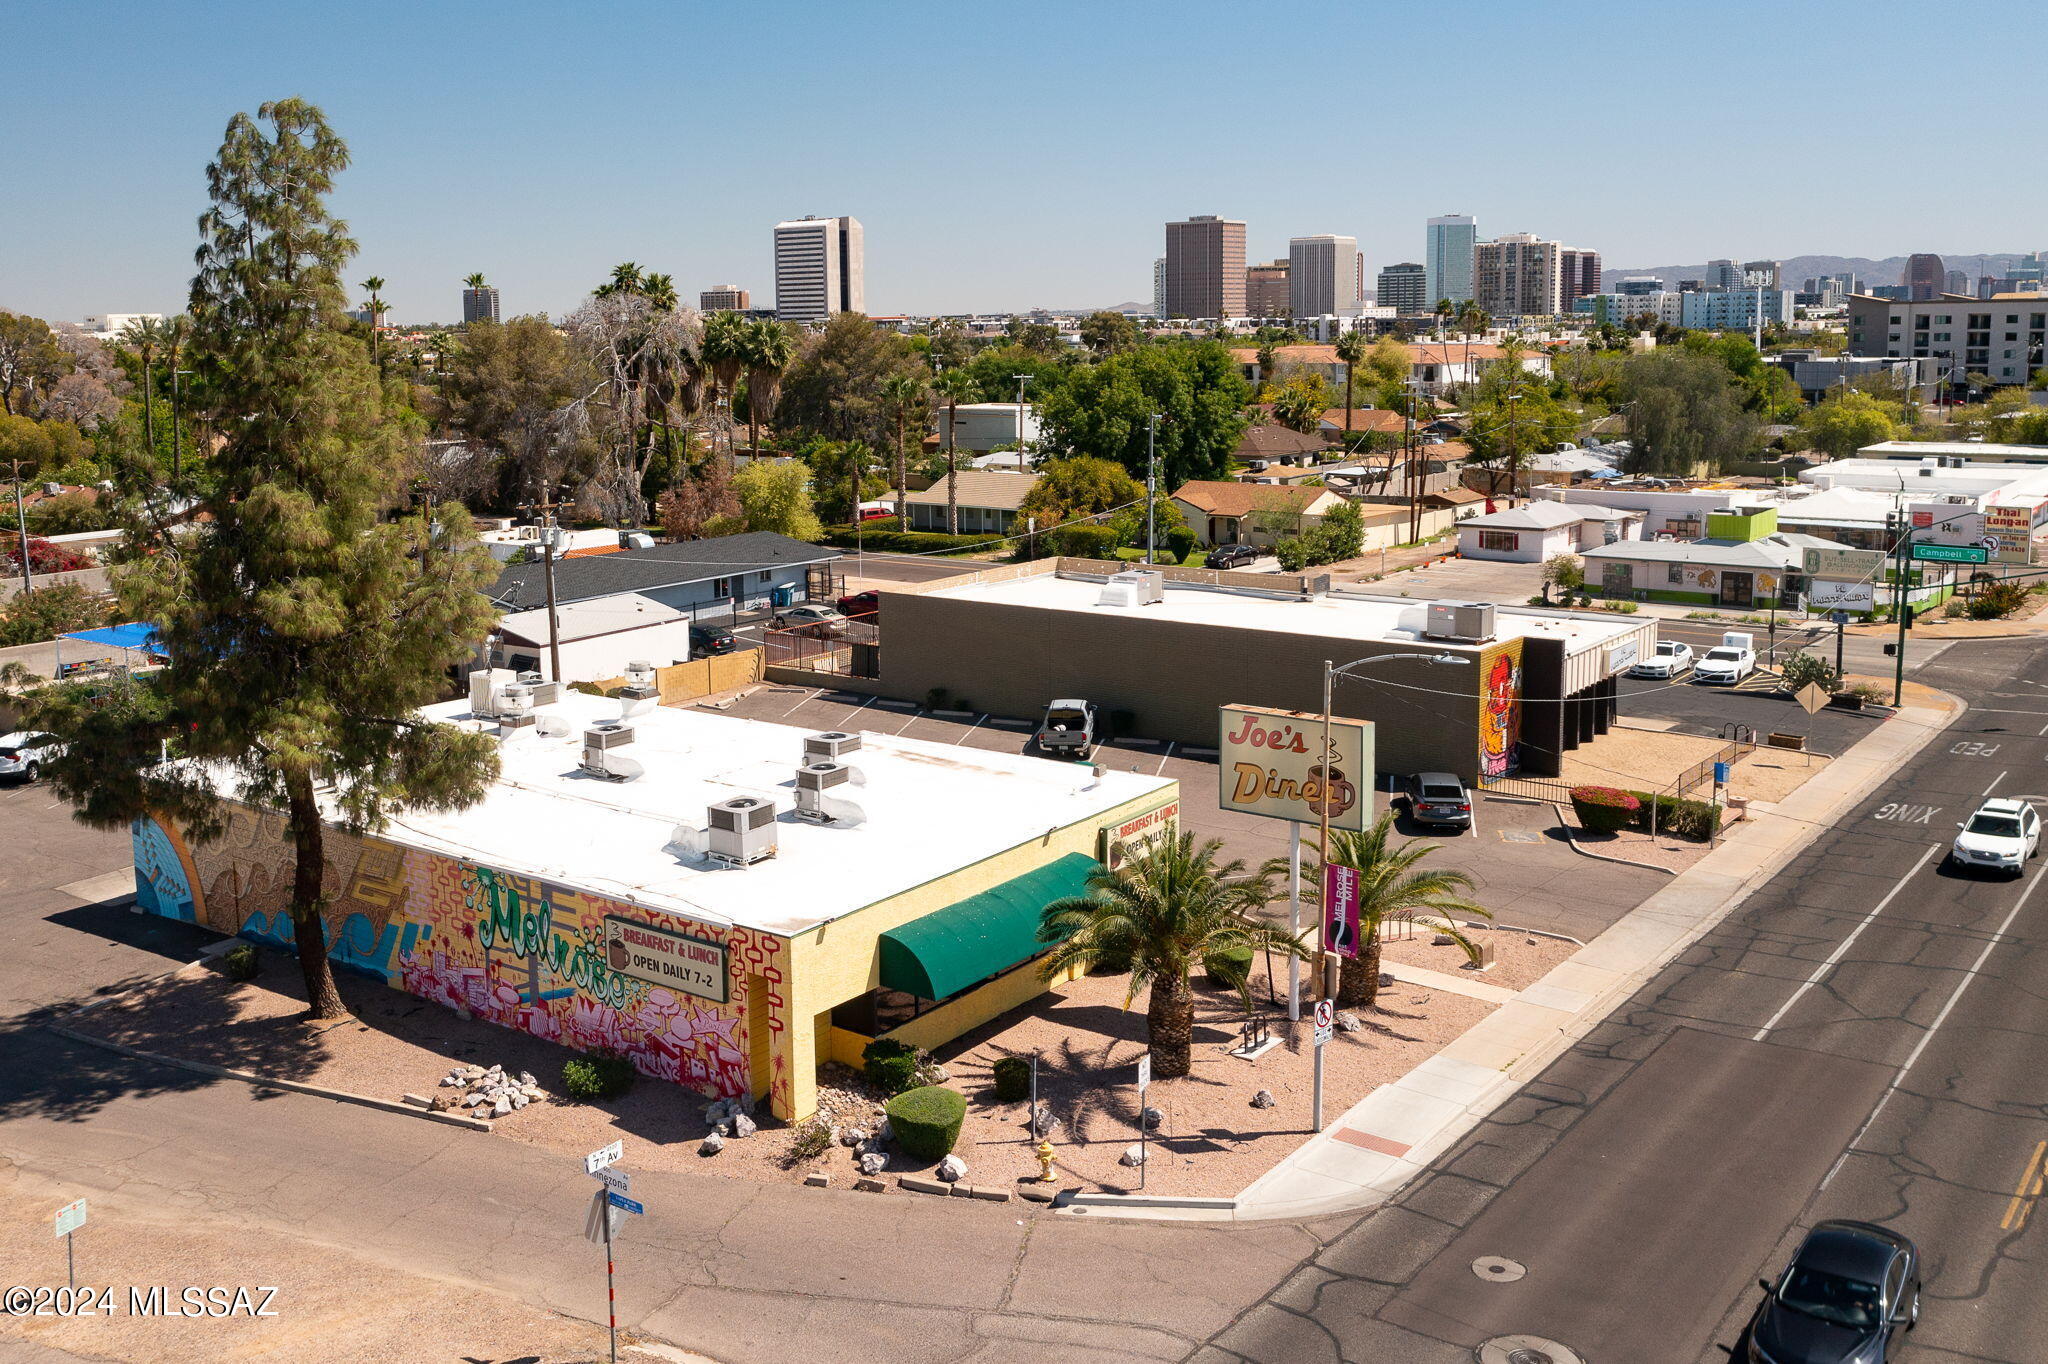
1798 269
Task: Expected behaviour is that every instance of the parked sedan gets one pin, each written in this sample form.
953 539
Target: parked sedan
23 753
2001 836
1231 556
1439 798
1852 1288
860 603
820 621
706 640
1670 660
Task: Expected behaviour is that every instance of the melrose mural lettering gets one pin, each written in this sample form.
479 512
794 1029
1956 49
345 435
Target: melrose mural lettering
504 922
1274 763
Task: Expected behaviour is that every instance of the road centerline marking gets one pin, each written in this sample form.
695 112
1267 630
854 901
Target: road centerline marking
1843 947
2024 1194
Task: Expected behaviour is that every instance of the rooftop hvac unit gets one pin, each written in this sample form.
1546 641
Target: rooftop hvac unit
608 764
484 686
545 693
741 831
813 803
1470 622
1133 589
608 735
831 745
824 776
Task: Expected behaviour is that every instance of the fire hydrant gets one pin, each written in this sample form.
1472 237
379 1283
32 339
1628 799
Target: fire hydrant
1045 1174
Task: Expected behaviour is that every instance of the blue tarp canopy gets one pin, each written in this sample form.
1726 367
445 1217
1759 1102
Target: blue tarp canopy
135 635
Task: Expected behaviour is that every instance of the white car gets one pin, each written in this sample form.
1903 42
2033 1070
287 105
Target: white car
821 621
2001 836
1670 660
1733 659
22 754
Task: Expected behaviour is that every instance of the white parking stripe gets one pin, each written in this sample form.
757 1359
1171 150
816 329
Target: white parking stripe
970 729
1843 947
801 704
1161 769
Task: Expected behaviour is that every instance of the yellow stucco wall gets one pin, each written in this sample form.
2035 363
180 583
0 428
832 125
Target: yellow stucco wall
838 961
968 1012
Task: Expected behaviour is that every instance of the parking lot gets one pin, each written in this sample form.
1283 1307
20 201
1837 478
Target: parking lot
1526 875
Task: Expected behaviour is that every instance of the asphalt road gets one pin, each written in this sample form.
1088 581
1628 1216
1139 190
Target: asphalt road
1859 1040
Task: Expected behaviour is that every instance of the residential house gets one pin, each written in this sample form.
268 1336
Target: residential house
988 500
1251 513
719 577
1536 531
1274 443
596 638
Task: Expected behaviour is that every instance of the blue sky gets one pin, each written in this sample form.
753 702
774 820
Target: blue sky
1011 156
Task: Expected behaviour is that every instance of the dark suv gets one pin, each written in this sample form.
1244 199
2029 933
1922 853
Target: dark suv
1231 556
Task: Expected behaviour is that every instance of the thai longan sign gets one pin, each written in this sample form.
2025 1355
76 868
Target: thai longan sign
1273 763
695 966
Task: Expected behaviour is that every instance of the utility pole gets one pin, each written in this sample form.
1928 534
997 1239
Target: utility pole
547 559
1022 379
1408 442
1151 480
21 522
1902 550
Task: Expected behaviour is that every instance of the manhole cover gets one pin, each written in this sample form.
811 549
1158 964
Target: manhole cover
1525 1350
1494 1269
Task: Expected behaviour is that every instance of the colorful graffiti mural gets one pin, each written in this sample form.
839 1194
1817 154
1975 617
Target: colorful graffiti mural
1500 711
512 949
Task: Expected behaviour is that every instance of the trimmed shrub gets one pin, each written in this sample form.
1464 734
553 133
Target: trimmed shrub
1013 1079
1086 542
1181 541
1228 969
242 961
601 1075
908 541
890 1066
927 1121
1694 819
1603 809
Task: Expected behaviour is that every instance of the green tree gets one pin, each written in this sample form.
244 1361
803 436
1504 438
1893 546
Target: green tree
374 305
725 356
1079 486
306 624
837 385
1685 414
1194 386
1106 333
1351 349
1514 414
1164 912
770 347
31 363
1392 885
1299 405
952 388
1340 535
775 495
1843 423
995 370
42 447
905 394
48 612
508 395
1564 572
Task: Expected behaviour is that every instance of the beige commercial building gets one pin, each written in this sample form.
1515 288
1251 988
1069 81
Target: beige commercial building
1265 290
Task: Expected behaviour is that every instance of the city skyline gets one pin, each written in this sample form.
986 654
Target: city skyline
557 187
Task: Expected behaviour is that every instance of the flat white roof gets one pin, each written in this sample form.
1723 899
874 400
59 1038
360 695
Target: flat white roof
1378 620
588 619
932 808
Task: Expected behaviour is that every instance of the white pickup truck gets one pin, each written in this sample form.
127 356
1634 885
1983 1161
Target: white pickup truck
1728 662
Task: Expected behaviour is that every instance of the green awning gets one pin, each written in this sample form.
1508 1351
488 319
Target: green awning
950 949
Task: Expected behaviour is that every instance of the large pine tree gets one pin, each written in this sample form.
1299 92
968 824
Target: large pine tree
311 618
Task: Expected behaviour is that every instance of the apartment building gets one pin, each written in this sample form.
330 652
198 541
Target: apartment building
1322 275
1205 267
721 298
2001 337
1405 288
1519 275
819 269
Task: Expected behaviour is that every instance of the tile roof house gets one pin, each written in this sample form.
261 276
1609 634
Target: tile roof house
1270 441
988 500
1251 513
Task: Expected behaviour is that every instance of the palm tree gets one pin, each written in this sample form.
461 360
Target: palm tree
660 290
1158 916
953 387
724 354
149 336
626 279
178 331
903 393
769 350
374 305
1390 887
475 281
1351 349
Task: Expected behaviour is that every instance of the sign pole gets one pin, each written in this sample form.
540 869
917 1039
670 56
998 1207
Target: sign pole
70 1264
1900 606
1841 618
611 1293
1144 1148
1294 919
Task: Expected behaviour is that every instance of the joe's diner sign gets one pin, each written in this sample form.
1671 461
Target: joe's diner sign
1274 763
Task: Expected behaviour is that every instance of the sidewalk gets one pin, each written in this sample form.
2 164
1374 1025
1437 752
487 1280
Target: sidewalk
1386 1139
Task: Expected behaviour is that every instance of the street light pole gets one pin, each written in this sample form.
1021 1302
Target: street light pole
1022 379
1151 480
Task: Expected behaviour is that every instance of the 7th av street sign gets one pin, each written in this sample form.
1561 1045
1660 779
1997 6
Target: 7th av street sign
1950 554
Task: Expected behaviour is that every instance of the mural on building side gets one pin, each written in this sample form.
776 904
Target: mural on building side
582 970
1500 710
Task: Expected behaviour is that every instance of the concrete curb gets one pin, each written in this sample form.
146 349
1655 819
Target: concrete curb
1602 857
1439 1102
246 1077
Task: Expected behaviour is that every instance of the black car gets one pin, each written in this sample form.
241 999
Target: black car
1231 556
706 640
1851 1289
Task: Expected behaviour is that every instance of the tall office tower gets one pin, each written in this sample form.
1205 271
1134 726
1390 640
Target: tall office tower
1405 287
480 305
1265 290
819 269
1848 283
1723 274
1205 267
1322 275
1159 287
1522 275
1924 276
721 298
1956 282
1447 257
1579 276
2026 274
1769 274
1634 286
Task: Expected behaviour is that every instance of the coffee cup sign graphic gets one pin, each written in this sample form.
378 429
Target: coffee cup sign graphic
1331 792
